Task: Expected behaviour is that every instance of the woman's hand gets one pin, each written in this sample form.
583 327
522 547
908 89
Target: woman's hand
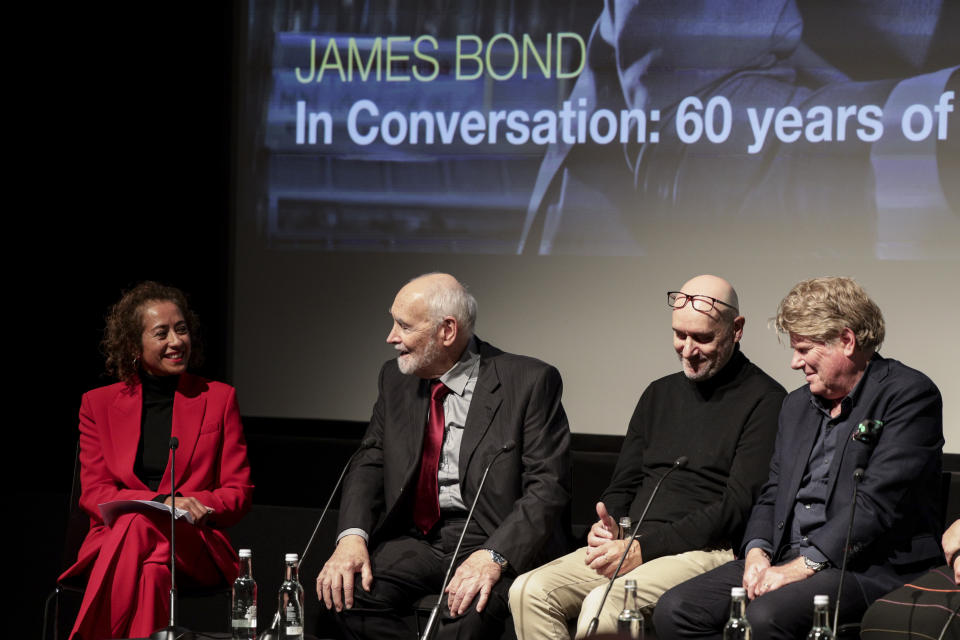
194 507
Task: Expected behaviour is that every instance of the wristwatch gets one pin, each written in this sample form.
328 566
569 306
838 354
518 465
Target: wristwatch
813 565
499 559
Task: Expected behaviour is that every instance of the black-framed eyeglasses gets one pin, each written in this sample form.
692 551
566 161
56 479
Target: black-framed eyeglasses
679 299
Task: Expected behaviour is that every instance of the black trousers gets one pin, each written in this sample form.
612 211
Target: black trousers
699 608
408 567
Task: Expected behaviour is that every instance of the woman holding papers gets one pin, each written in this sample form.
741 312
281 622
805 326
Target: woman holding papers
125 434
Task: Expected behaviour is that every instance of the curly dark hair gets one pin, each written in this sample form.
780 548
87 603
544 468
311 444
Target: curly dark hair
122 337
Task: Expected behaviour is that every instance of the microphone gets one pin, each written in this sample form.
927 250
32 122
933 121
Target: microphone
679 463
366 444
172 631
509 445
857 477
273 631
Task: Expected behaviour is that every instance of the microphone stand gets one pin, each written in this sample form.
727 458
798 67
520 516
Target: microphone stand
273 632
679 463
172 631
857 477
435 613
366 444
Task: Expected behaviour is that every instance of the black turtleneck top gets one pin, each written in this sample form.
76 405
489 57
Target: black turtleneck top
156 425
726 426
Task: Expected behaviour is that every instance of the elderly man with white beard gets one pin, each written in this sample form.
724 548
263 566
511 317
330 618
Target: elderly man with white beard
721 413
448 405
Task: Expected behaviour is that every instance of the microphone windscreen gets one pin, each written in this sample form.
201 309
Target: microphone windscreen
509 445
681 462
858 474
174 443
368 442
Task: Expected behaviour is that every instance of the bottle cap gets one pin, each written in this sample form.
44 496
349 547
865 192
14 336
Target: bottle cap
291 557
738 592
245 553
630 584
821 599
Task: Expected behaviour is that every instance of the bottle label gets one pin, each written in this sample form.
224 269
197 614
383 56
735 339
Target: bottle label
291 630
244 623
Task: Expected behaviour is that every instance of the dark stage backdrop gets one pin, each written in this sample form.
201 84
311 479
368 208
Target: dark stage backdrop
126 152
571 162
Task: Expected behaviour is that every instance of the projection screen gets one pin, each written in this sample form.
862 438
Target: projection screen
573 161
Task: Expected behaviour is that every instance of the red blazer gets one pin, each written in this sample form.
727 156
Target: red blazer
211 459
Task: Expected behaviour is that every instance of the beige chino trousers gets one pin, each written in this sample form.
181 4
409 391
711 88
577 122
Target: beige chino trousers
543 600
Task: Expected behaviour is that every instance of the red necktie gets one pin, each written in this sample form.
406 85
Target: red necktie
426 510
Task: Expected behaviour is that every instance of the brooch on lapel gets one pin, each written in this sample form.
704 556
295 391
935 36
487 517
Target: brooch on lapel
868 431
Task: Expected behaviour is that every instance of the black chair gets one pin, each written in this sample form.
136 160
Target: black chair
77 526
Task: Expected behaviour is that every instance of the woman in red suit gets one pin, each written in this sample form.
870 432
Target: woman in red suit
125 430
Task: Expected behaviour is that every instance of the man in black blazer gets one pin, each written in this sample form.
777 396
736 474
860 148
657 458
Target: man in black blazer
857 411
446 406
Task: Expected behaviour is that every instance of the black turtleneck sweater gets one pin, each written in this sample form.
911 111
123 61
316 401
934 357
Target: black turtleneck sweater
156 425
726 427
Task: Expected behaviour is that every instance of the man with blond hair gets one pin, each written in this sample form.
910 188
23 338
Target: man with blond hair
720 412
858 414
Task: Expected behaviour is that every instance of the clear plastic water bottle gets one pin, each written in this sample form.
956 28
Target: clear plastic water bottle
243 604
630 620
821 619
290 606
737 627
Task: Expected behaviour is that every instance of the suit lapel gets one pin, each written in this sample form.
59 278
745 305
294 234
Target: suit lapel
483 407
550 168
188 407
805 436
876 372
123 438
416 416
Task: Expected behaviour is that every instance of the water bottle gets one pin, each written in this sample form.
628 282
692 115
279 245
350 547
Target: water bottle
626 527
821 619
737 627
243 603
630 620
290 606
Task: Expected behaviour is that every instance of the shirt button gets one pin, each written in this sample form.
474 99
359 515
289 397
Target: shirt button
780 525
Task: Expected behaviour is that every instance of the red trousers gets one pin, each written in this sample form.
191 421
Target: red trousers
128 591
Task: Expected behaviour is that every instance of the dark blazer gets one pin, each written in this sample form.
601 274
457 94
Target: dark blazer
211 459
897 526
527 491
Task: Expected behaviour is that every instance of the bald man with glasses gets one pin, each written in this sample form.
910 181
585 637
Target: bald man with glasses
720 412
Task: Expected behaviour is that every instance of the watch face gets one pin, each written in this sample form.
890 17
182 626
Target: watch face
496 557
